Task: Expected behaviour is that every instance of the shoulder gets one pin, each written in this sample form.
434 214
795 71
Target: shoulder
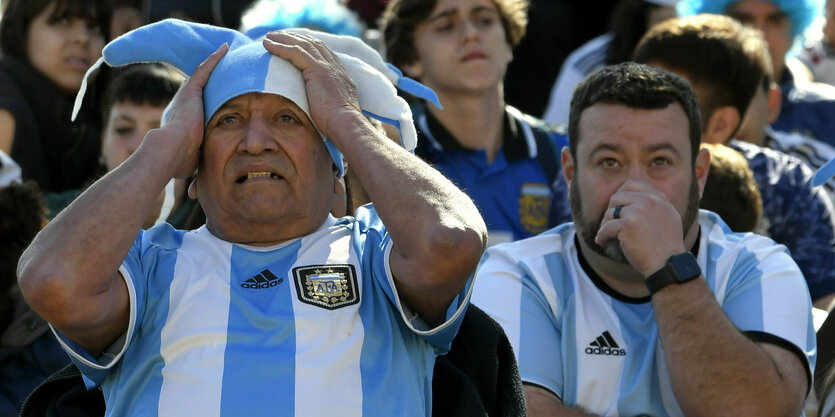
530 251
591 55
812 93
725 247
794 143
557 132
163 236
773 161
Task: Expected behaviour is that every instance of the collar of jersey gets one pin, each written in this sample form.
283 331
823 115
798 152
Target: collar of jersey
514 145
603 286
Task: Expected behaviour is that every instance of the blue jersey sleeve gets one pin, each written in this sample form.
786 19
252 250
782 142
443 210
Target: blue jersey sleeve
375 245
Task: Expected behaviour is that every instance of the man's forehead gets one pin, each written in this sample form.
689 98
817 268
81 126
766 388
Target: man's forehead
260 98
614 118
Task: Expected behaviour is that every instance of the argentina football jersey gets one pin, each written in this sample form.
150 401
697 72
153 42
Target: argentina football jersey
222 329
600 350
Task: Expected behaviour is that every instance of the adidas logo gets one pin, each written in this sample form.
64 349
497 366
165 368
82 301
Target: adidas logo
605 345
265 279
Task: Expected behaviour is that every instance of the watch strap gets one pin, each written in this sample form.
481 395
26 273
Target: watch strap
678 269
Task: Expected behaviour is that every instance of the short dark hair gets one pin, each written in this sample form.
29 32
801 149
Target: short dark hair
716 53
637 86
141 84
731 190
18 16
401 17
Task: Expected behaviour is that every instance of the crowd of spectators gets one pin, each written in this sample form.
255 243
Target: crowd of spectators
420 207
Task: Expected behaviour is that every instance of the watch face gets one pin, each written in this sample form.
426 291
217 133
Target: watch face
685 266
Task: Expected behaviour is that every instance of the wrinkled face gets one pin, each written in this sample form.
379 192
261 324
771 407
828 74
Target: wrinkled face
63 49
772 22
620 144
461 46
264 163
125 128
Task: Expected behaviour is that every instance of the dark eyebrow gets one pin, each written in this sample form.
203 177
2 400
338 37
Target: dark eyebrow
663 147
452 12
777 15
479 9
441 15
227 106
604 147
649 148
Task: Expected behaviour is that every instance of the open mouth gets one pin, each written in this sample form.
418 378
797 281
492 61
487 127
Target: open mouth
473 56
257 175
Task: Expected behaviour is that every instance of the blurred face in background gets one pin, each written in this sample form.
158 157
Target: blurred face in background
461 47
772 22
126 126
62 48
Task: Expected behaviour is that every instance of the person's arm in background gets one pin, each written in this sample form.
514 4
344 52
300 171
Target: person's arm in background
437 231
69 274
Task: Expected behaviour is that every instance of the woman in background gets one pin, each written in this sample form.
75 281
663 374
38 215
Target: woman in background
47 46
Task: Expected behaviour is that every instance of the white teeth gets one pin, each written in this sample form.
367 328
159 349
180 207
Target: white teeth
250 175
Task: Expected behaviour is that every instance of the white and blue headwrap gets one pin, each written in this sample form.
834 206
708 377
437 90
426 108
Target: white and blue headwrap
249 68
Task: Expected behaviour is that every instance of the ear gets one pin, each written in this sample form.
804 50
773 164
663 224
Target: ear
567 163
775 102
192 189
721 125
414 69
701 168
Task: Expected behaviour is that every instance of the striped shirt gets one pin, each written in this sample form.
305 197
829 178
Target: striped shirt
601 351
309 327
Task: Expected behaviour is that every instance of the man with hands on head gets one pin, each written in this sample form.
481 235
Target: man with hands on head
646 305
274 303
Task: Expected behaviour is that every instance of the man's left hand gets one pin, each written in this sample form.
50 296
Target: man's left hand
330 91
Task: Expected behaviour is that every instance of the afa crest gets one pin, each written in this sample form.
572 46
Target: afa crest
534 204
327 286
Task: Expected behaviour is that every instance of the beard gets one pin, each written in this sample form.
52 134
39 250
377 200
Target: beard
611 249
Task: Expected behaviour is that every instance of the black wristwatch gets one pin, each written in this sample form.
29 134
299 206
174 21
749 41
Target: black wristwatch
679 269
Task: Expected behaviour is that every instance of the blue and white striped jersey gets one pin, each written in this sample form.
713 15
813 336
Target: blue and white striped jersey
601 351
310 327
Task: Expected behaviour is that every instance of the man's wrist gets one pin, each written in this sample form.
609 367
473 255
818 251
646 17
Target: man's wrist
678 269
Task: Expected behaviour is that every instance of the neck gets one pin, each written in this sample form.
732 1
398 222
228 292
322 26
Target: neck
623 278
262 234
475 120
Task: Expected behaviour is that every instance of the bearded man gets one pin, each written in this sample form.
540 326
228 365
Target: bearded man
646 305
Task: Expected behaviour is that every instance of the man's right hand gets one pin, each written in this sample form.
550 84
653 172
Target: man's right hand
649 228
184 127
